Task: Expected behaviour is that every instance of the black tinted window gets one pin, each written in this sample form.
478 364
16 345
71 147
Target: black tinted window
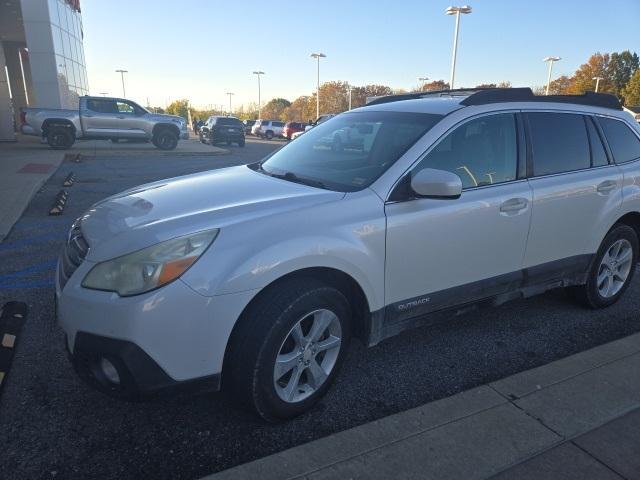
228 121
559 142
598 153
480 152
278 124
102 106
624 144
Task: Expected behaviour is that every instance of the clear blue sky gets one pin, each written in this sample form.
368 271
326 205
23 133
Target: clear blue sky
200 50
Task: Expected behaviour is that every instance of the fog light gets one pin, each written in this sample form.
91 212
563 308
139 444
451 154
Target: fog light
109 371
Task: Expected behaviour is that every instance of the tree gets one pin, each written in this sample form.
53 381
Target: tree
359 95
275 108
631 91
598 65
560 86
505 84
435 85
622 67
301 109
178 107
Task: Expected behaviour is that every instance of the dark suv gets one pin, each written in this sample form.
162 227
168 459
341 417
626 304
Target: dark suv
222 130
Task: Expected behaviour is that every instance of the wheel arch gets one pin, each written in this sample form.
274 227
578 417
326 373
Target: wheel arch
333 277
162 126
57 122
632 219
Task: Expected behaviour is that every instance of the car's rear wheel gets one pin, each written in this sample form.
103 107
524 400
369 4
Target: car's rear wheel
269 135
612 268
289 347
165 139
60 138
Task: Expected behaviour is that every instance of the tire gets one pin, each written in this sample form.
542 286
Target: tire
614 268
267 331
165 139
241 143
269 135
60 138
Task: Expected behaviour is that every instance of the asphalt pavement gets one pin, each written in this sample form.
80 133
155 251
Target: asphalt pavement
53 426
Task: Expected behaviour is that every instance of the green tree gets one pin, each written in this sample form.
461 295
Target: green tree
178 107
622 66
631 91
275 108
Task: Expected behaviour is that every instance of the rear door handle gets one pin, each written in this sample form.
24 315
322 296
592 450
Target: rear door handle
607 186
513 205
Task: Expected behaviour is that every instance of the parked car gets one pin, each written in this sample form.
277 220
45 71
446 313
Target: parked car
103 118
292 127
219 129
268 129
255 278
634 111
248 125
310 125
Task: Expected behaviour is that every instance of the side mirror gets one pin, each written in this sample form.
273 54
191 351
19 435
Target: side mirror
432 183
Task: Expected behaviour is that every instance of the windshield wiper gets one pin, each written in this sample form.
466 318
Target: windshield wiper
292 177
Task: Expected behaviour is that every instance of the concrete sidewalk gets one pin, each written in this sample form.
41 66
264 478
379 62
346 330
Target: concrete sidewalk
578 417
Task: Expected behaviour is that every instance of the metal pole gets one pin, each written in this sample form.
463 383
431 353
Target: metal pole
259 101
597 84
124 93
318 91
549 77
455 50
349 86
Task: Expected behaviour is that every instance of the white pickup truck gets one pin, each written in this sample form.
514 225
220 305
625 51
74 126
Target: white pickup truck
103 118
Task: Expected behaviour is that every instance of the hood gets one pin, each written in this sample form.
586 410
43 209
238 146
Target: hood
152 213
159 117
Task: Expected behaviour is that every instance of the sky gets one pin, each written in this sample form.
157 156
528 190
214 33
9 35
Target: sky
202 49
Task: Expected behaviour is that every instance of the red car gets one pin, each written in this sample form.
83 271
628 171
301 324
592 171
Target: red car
292 127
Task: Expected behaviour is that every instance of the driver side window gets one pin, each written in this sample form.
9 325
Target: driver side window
124 107
481 152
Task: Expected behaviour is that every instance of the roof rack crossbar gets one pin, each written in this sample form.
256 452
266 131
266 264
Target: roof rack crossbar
484 96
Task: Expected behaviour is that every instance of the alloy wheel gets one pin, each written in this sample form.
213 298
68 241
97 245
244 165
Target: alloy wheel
614 268
307 355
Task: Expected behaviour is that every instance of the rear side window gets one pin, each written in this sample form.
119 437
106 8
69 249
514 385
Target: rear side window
559 142
481 152
102 106
278 124
598 153
228 121
624 144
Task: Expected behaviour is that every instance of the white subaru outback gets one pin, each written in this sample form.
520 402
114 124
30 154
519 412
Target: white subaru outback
254 278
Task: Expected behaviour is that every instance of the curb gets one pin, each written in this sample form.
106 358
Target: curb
12 317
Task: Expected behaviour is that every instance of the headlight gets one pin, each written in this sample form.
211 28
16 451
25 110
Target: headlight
151 267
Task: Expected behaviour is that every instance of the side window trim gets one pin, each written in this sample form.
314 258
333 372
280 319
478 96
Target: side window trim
402 179
601 138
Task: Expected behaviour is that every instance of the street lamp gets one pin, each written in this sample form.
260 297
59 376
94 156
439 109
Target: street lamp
456 11
122 72
550 60
230 95
258 73
597 79
318 56
423 80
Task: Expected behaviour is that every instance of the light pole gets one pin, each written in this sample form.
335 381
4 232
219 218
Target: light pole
456 11
318 56
122 72
597 79
230 95
550 60
423 80
258 73
350 88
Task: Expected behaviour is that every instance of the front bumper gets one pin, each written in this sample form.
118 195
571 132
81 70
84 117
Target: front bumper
156 340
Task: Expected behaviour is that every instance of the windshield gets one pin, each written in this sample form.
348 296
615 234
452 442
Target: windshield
350 151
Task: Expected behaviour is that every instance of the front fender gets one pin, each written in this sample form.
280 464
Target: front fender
350 239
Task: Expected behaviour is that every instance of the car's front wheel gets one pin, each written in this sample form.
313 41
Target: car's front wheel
612 269
289 347
165 139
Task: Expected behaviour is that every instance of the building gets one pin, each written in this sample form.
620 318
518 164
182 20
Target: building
41 58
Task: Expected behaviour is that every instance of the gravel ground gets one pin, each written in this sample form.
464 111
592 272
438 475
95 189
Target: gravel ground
53 426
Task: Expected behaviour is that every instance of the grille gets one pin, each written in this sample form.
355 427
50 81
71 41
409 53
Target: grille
73 253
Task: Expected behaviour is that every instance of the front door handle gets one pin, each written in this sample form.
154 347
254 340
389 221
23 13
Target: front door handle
513 206
607 186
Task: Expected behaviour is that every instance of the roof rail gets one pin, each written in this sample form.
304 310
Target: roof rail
498 95
484 96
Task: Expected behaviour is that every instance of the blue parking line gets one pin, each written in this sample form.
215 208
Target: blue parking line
31 241
38 267
28 284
